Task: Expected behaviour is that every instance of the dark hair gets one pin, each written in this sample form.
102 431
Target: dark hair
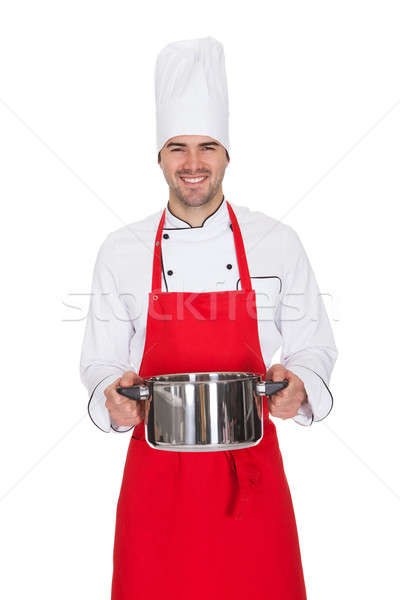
226 152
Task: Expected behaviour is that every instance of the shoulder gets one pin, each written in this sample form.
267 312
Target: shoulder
136 237
258 225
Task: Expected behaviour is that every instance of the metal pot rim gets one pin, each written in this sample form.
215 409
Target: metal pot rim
189 378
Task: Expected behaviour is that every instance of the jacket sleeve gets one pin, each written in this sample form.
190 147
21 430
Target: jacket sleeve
308 347
106 342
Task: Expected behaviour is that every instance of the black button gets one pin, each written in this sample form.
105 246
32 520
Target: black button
231 226
165 236
170 272
229 266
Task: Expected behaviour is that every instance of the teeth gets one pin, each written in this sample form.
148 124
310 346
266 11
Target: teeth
193 180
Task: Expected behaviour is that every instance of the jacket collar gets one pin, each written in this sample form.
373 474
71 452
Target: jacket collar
219 216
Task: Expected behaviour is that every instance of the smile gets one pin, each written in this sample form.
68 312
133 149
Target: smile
193 180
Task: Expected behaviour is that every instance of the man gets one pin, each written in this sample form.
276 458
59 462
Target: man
215 524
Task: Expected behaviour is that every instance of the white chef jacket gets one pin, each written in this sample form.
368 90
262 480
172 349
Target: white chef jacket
290 310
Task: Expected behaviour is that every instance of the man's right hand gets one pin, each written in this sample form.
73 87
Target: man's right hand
124 411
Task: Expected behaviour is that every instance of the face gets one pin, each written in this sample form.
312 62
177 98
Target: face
193 156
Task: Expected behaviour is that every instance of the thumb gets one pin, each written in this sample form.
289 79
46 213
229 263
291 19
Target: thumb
130 378
276 372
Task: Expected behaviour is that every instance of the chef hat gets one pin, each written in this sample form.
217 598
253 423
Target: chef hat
191 91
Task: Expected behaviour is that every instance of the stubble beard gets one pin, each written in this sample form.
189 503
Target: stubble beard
200 200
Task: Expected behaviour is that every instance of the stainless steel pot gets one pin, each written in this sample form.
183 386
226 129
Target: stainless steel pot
203 412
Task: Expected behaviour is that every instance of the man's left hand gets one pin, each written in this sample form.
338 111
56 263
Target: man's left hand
286 403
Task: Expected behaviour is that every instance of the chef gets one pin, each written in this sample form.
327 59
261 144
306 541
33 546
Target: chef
213 525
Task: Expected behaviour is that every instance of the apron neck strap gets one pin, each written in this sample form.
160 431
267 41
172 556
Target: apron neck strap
157 258
240 251
239 247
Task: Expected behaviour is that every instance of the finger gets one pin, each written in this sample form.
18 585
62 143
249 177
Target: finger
128 410
281 413
122 403
126 421
281 403
116 399
285 393
293 394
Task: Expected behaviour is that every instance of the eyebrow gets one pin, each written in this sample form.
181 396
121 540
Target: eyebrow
202 144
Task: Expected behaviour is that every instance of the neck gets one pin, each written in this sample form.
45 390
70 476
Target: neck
195 215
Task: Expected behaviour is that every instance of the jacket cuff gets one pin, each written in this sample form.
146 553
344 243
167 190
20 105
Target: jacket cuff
98 411
319 398
305 415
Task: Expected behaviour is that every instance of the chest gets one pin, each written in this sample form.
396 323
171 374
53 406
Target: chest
200 265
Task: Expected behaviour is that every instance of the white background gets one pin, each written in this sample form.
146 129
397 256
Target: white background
315 122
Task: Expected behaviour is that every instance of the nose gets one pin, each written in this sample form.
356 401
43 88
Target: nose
193 164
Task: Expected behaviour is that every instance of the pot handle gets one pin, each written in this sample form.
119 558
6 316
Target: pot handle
267 388
134 392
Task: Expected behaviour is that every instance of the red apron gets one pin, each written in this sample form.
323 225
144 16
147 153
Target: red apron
205 525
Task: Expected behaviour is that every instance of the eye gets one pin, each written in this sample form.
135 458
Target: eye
176 150
208 148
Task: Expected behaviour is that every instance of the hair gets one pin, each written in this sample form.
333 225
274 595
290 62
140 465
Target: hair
226 152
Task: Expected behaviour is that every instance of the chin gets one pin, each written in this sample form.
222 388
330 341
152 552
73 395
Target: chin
192 198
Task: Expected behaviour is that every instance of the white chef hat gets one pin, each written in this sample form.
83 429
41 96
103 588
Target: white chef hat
191 91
